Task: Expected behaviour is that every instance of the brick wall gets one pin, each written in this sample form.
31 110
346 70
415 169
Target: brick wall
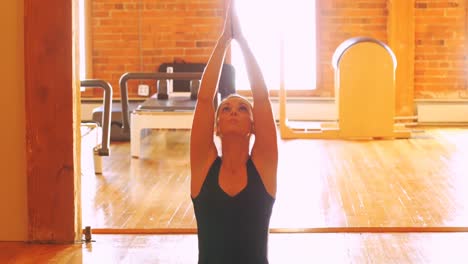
440 48
339 20
139 35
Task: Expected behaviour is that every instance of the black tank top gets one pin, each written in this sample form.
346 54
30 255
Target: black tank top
233 229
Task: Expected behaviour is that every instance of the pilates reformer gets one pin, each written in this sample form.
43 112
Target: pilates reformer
364 96
166 110
98 135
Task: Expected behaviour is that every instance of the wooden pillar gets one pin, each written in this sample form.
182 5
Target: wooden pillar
52 121
465 92
401 40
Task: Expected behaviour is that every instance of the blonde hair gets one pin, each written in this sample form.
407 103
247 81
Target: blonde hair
229 97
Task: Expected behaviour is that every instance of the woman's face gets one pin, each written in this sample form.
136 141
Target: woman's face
234 117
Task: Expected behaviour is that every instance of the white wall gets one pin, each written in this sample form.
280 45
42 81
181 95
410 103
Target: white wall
324 109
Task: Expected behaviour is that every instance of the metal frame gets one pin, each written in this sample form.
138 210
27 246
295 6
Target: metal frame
330 130
106 116
139 119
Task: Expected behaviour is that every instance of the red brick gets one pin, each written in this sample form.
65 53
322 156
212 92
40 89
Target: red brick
188 29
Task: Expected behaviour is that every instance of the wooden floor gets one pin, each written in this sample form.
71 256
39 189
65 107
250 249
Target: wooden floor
332 189
417 182
283 249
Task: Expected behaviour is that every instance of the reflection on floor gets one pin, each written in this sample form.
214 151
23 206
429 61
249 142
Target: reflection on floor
283 249
418 182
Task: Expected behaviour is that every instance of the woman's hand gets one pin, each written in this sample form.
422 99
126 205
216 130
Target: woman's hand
227 29
236 27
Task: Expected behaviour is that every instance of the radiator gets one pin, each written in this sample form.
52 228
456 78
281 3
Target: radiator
442 111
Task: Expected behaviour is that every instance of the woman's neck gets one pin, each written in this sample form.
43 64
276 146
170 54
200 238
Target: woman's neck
235 151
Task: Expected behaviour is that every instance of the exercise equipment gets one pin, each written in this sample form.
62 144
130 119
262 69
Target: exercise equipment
116 133
364 95
90 131
226 81
166 110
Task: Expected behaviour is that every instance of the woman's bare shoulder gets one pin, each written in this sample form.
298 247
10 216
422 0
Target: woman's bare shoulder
199 171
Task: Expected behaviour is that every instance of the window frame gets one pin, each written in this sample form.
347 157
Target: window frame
319 71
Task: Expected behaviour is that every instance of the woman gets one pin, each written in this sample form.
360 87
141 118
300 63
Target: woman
233 194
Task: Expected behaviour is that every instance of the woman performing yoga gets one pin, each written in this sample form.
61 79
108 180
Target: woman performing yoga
233 194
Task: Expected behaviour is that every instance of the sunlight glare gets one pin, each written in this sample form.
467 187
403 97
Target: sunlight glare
264 23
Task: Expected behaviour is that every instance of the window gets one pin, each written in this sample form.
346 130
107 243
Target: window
272 25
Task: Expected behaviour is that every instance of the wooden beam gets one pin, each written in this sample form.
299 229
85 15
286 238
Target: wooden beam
466 44
76 113
401 40
357 229
51 119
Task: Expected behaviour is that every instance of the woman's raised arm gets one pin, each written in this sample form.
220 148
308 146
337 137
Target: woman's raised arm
202 148
265 149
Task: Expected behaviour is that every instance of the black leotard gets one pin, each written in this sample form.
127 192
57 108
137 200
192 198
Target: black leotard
233 229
